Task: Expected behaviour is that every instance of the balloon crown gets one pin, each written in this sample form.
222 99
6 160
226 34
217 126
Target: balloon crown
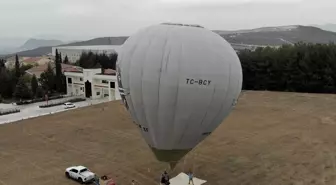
179 24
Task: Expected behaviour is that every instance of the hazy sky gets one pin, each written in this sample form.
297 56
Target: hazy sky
26 18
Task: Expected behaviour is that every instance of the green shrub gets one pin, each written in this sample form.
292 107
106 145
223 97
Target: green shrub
62 102
37 100
77 100
8 111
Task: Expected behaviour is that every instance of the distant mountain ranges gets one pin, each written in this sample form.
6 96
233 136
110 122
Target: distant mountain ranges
97 41
266 36
275 36
36 43
29 45
327 27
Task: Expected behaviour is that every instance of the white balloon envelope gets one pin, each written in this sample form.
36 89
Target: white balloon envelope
178 82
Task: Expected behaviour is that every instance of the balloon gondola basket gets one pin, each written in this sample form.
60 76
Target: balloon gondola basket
107 180
179 174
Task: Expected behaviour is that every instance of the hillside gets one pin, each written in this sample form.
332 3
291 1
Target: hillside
36 43
327 27
100 41
10 44
33 52
275 36
27 45
97 41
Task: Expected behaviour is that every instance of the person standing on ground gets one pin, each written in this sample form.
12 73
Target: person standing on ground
164 178
191 176
167 178
96 180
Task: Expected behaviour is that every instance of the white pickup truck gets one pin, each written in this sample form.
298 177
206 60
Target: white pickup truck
80 173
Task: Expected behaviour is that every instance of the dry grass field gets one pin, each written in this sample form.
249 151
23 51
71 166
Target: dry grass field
270 138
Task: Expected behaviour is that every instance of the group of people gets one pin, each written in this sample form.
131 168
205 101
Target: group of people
165 178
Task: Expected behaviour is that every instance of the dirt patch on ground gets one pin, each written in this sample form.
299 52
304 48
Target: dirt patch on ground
269 139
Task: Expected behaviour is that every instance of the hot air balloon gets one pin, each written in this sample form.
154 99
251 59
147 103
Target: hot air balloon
178 83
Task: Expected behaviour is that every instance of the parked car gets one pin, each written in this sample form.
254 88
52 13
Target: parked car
69 105
80 173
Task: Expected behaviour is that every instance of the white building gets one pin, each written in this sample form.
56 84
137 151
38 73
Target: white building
92 84
74 52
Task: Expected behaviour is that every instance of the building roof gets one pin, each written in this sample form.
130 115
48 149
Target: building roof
13 58
71 68
109 72
116 48
93 47
38 70
32 60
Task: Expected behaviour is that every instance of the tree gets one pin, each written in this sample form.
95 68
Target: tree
47 79
95 60
300 67
6 83
63 84
56 55
88 60
2 64
113 61
66 60
39 92
34 85
21 90
24 68
58 79
60 58
26 78
103 60
17 68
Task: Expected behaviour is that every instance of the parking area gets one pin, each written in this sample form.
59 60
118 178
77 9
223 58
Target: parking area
33 110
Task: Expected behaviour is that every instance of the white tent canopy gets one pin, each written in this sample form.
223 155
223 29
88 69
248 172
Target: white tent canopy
183 179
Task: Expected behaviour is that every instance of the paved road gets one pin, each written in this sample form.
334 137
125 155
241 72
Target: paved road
33 110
